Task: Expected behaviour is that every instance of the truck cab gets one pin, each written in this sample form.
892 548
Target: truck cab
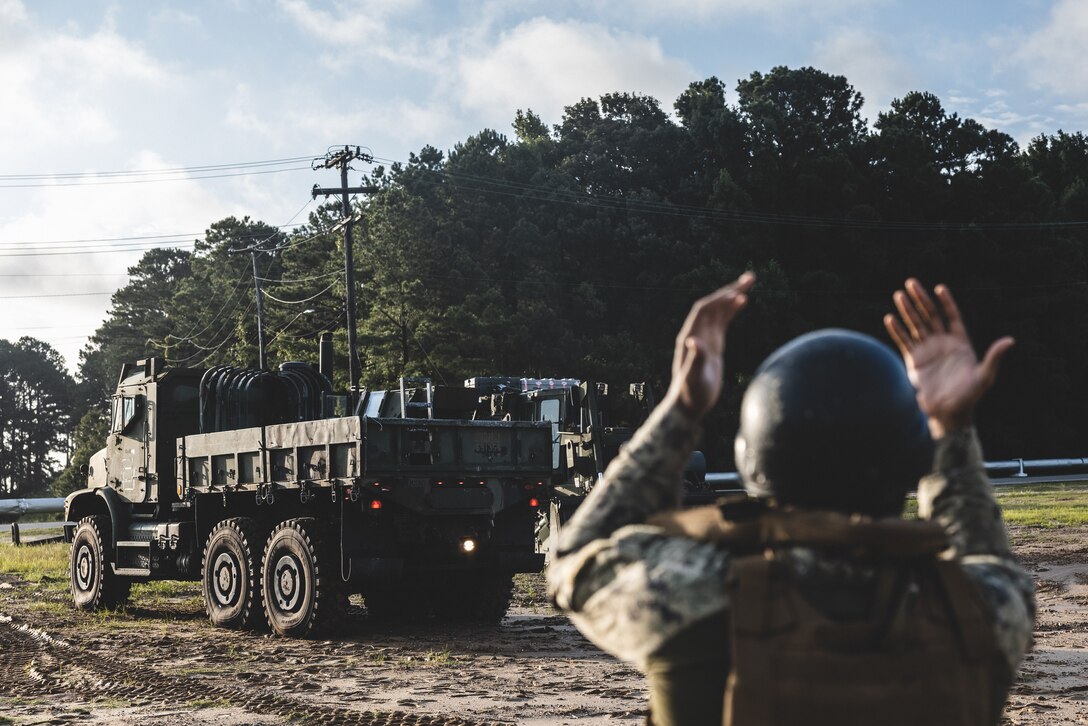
140 441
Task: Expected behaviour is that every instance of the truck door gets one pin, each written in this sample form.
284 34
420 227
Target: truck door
128 454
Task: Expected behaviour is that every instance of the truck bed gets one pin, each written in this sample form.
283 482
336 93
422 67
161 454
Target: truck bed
360 450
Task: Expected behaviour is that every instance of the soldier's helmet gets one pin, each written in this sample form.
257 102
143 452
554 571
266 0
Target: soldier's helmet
830 421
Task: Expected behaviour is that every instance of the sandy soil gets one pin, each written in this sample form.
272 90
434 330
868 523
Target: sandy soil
1052 687
161 659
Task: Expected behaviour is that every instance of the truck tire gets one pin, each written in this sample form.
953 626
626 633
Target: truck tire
300 582
231 575
94 585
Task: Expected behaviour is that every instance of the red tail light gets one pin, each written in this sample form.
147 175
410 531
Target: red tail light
375 503
534 502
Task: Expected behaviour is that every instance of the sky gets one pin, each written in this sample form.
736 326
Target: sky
102 103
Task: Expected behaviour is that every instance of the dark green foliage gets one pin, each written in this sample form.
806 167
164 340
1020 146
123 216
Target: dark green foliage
89 437
35 401
576 249
142 320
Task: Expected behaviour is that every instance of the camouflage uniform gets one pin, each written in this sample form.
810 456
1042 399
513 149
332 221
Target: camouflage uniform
637 592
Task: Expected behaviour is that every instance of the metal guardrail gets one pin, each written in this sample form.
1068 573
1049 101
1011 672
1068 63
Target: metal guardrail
12 509
1009 471
17 532
15 508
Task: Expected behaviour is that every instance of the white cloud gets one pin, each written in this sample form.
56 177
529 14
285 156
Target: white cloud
243 113
12 13
362 30
683 11
547 65
1053 56
864 58
65 87
90 212
350 25
408 122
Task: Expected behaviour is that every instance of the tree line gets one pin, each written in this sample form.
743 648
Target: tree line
574 250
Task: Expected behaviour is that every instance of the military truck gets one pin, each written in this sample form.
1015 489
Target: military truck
590 422
256 484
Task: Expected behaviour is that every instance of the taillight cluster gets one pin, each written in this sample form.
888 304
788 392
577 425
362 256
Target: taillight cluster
532 487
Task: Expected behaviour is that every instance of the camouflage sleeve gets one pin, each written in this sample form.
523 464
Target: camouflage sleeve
628 587
958 495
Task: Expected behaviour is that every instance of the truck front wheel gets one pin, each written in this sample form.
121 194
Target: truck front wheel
300 582
231 567
94 585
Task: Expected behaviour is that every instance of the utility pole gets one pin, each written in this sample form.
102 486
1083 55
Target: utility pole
253 250
342 159
260 311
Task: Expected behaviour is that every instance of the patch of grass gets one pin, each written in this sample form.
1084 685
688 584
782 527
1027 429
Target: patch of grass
439 657
110 619
526 586
1045 505
432 658
1049 506
53 607
36 563
163 590
20 701
910 510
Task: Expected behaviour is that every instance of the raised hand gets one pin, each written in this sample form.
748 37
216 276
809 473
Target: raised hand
697 360
940 360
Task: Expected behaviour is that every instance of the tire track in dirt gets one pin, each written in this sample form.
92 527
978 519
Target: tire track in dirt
35 663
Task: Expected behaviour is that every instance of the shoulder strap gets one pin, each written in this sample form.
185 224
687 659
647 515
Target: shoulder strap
774 527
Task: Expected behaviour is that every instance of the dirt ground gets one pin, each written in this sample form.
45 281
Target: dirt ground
160 659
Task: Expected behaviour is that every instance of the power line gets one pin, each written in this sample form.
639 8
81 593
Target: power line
59 294
191 334
101 246
145 176
64 274
94 240
171 170
151 181
298 302
110 250
283 281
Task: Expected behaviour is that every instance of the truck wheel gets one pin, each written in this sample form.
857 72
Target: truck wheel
94 585
300 582
230 581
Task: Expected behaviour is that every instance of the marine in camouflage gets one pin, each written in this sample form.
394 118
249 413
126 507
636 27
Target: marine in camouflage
632 589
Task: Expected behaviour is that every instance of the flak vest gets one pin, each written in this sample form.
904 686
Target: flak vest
901 639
